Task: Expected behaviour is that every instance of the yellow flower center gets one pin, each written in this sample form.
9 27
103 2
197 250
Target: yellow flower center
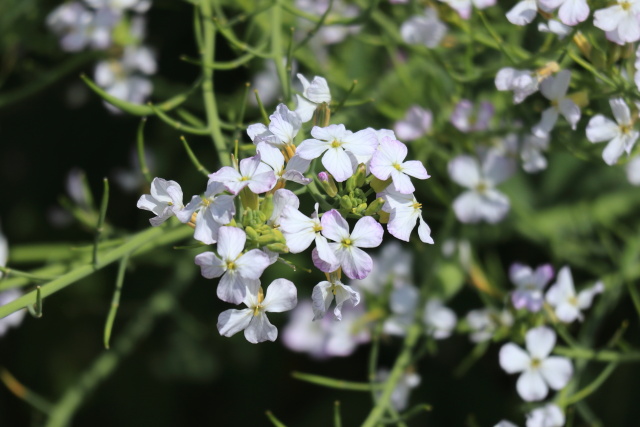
397 166
346 243
335 143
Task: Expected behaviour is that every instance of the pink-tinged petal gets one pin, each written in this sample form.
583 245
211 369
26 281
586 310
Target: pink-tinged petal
252 264
339 163
284 124
362 143
542 275
570 111
367 233
256 129
207 228
540 341
260 330
225 174
613 151
416 169
465 171
282 295
520 274
262 182
271 156
310 149
393 151
281 199
557 371
210 265
321 264
424 232
601 129
355 262
297 163
321 297
233 287
334 226
514 359
326 254
401 182
231 242
381 166
531 386
523 13
297 177
230 322
344 293
573 12
184 215
249 165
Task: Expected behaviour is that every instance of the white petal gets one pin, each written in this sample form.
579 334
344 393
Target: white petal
322 297
367 233
465 171
557 371
210 265
540 341
344 293
355 262
231 242
260 329
523 13
613 151
230 322
339 163
334 226
207 228
282 295
252 264
514 359
570 111
531 386
601 129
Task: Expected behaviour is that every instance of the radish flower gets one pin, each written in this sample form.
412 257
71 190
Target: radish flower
563 298
388 161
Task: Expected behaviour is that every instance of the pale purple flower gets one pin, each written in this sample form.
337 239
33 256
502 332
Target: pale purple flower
282 295
549 415
467 118
530 285
239 271
14 319
283 128
522 82
633 171
523 12
439 320
620 134
325 292
214 210
388 161
416 123
404 210
400 394
165 200
620 21
482 202
539 370
571 12
253 173
367 233
567 303
326 337
313 94
555 88
294 170
463 7
427 29
340 148
555 27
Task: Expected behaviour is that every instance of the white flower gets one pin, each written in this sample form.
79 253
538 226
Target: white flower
531 153
165 200
239 271
633 171
620 21
554 27
539 370
482 202
404 210
403 303
79 27
324 292
400 394
505 423
485 321
214 210
549 415
4 251
340 148
468 118
281 296
313 94
530 285
463 7
555 88
425 29
523 12
416 123
253 173
120 6
522 82
571 12
392 265
620 134
355 262
562 296
283 128
388 161
294 170
440 320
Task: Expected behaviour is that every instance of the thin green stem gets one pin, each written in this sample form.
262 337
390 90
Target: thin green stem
142 161
276 422
598 355
337 418
335 383
23 393
24 274
115 301
193 158
589 389
501 44
103 213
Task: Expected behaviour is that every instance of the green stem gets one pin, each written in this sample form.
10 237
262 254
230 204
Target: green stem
276 422
193 158
337 419
276 50
376 414
142 161
582 394
335 383
600 356
115 301
101 217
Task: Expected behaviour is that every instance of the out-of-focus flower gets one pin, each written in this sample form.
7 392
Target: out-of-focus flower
400 394
554 27
281 296
562 296
555 88
14 319
523 12
485 321
392 265
325 292
620 134
79 27
403 303
416 123
530 285
404 210
539 370
440 320
549 415
466 118
633 171
531 153
571 12
425 29
522 82
463 7
620 21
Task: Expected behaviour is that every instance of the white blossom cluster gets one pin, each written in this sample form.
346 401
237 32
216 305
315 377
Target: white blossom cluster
252 218
118 28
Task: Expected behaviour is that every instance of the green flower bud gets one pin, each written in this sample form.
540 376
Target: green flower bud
322 115
360 175
278 247
378 185
266 206
252 234
328 184
345 202
374 207
249 199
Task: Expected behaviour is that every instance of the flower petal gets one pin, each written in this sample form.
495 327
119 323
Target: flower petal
210 265
260 329
531 386
282 295
367 233
231 242
557 371
514 359
540 341
230 322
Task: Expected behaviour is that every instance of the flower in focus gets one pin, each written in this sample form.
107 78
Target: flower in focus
620 21
165 200
283 128
529 284
388 161
555 88
416 123
425 29
466 118
293 171
404 210
253 173
313 94
539 370
562 296
239 271
323 294
214 210
440 320
620 134
549 415
482 202
281 296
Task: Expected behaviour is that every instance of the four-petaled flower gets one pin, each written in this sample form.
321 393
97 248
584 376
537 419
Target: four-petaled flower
324 292
165 200
555 88
214 210
253 173
388 161
562 296
530 285
313 94
620 134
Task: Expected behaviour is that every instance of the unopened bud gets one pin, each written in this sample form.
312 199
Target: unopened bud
252 234
361 174
328 184
278 247
322 115
266 206
379 185
384 217
345 202
249 199
583 44
374 207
